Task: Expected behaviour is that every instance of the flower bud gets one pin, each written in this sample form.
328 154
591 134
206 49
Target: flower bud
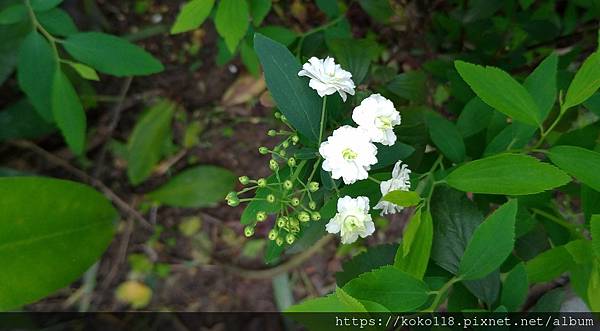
270 198
290 238
282 153
285 144
276 149
261 216
232 199
277 115
283 118
279 241
312 205
287 184
273 165
295 202
248 231
263 150
291 162
315 216
273 234
271 133
261 182
281 222
244 180
303 216
294 222
313 186
295 139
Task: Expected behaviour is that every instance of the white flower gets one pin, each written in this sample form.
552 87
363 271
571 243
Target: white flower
377 116
327 77
352 219
400 181
348 154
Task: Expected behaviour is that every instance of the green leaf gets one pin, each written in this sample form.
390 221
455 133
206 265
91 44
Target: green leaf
403 198
201 186
297 101
388 155
513 136
147 139
595 231
249 58
550 301
354 55
349 301
192 15
499 90
541 84
57 22
474 118
21 121
579 162
446 137
13 14
35 73
43 5
259 10
455 218
111 55
510 174
68 112
48 241
585 82
593 291
84 71
380 10
413 256
481 257
279 34
329 304
590 202
372 258
231 21
409 85
390 287
515 288
548 265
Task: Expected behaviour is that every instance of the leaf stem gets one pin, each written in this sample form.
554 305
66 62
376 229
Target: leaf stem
37 26
441 292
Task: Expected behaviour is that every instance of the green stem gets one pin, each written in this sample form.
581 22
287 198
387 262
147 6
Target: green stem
544 134
440 294
36 25
375 180
572 227
323 120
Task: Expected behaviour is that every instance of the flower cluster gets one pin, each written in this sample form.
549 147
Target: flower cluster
350 151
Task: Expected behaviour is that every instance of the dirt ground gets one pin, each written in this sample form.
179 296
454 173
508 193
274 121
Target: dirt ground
230 139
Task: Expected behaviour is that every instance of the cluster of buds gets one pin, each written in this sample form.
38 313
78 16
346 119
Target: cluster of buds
291 196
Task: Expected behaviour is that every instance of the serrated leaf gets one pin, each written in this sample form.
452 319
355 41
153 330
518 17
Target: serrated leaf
413 256
232 21
541 84
515 288
146 141
474 117
374 257
58 234
390 287
68 112
581 163
510 174
403 198
297 101
548 265
446 137
201 186
499 90
585 83
111 55
481 257
192 15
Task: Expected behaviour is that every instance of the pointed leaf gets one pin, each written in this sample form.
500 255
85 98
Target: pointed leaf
585 83
232 21
581 163
68 112
192 15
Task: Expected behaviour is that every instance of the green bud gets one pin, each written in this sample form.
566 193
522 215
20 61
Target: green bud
313 186
244 180
312 205
291 162
271 133
277 115
281 222
273 165
270 198
273 234
261 182
295 139
279 241
282 153
294 222
303 216
295 202
288 185
232 199
261 216
283 118
248 231
263 150
276 149
290 238
285 144
315 216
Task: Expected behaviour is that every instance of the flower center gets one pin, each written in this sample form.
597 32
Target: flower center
383 122
351 223
349 154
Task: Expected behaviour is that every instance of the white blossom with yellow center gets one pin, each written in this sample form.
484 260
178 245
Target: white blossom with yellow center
326 77
377 116
348 154
352 219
